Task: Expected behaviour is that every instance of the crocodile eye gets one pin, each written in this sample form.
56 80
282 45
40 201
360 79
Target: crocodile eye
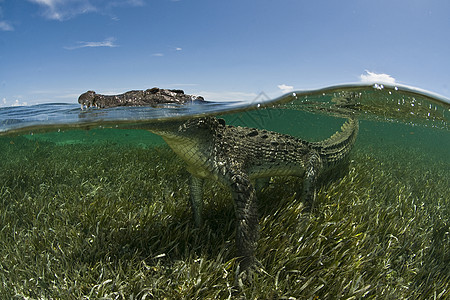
253 133
202 124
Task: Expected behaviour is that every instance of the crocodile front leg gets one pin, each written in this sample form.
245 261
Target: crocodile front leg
196 187
247 227
312 167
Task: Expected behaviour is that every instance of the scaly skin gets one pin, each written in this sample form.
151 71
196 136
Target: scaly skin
149 97
236 156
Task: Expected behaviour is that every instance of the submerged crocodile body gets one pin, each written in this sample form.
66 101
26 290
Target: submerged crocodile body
149 97
237 156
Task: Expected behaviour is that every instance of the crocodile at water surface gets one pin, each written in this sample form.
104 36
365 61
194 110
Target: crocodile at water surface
149 97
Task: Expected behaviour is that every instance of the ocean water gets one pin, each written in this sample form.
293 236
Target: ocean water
94 205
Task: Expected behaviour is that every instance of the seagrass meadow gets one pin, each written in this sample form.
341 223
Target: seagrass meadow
105 214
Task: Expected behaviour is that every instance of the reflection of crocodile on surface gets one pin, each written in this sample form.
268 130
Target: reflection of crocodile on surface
239 156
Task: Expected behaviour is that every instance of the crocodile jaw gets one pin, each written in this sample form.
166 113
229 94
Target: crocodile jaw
191 152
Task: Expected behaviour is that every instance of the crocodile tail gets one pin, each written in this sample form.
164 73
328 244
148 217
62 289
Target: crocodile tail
337 147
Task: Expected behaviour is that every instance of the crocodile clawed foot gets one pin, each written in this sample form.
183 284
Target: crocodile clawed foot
245 273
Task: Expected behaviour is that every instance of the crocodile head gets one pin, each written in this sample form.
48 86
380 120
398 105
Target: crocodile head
192 140
87 99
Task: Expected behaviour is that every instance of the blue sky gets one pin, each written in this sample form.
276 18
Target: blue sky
54 50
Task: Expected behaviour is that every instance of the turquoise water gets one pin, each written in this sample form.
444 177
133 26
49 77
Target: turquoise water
90 201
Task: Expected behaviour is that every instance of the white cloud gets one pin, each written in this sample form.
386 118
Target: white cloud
371 77
171 49
109 42
18 103
64 9
5 26
285 88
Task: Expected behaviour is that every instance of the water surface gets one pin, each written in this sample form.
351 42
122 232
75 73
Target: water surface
93 205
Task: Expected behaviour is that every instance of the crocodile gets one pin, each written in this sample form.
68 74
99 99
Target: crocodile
240 156
149 97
